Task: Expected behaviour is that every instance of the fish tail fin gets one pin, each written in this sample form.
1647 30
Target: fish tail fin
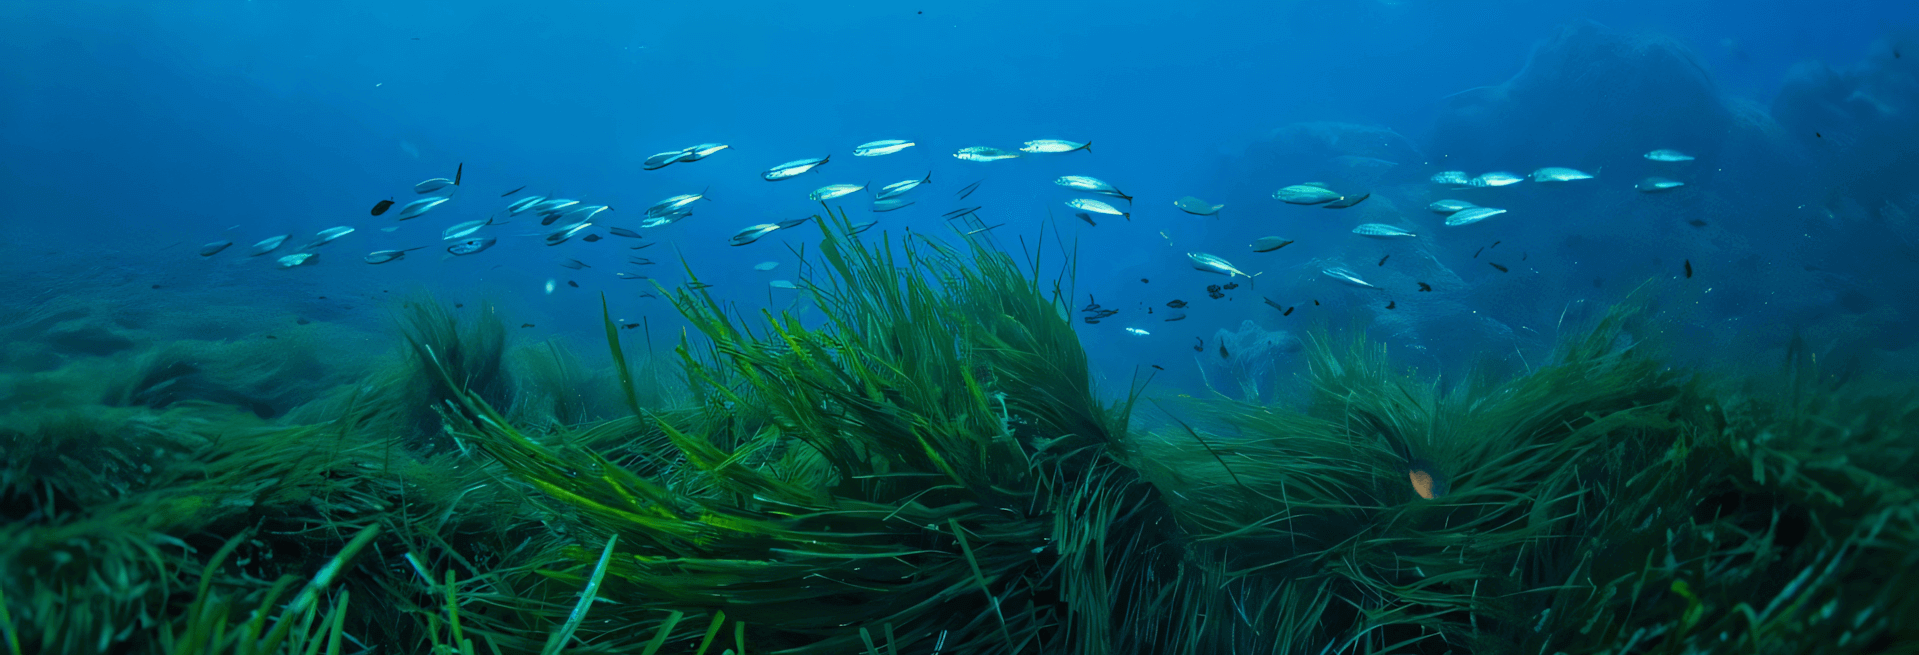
1088 147
1127 215
929 178
703 193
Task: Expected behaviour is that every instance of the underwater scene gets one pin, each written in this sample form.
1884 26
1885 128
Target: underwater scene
864 327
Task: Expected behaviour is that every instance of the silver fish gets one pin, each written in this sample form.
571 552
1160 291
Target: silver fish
1347 201
891 204
1097 207
665 219
782 284
832 191
630 276
766 266
1557 174
1381 230
622 232
1091 185
523 204
883 147
214 248
555 206
1445 207
898 189
1346 276
1495 179
561 235
1668 155
1269 244
471 246
384 256
1305 194
662 160
268 245
1472 215
1452 177
674 204
984 153
793 223
295 259
703 151
1658 184
569 262
1197 207
327 236
432 185
1213 264
460 230
416 208
754 233
1055 146
793 168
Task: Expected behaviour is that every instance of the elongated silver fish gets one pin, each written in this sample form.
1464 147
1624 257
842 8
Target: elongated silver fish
1663 154
882 147
430 186
561 235
1347 201
1214 264
1495 179
891 204
1452 177
268 245
1445 207
296 259
674 204
666 219
1305 194
327 236
1048 146
214 248
754 233
1097 207
1382 231
664 159
1197 207
766 266
900 188
703 151
384 256
1658 185
1472 215
782 284
471 246
556 205
832 191
622 232
1269 244
983 154
1558 174
1347 276
793 168
416 208
794 222
524 204
1091 185
462 229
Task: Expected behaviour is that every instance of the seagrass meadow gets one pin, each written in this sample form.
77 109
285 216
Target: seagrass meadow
927 467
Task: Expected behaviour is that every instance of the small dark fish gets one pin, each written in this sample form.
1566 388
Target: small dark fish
526 325
1092 305
503 195
549 217
1158 367
1818 135
457 172
1524 255
1085 217
272 337
1382 260
458 305
1696 223
643 246
962 211
1288 312
1348 201
1502 269
574 264
1480 250
1274 305
1315 302
1092 320
1144 280
963 193
630 326
623 232
1425 287
1199 347
1230 286
1180 317
1688 268
696 286
1392 304
1495 244
381 207
214 248
639 261
591 238
1222 352
1176 303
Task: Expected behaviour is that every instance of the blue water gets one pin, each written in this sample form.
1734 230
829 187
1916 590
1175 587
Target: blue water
132 132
